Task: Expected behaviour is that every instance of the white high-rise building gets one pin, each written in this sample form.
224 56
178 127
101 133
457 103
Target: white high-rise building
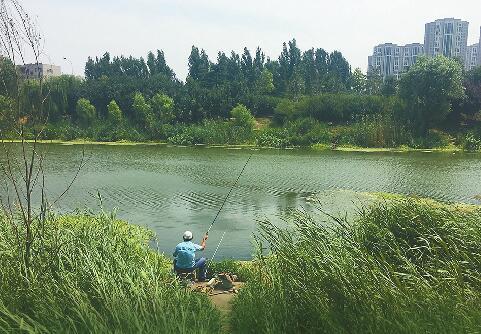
472 57
448 37
392 59
479 48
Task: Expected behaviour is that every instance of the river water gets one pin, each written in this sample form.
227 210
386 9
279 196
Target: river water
172 189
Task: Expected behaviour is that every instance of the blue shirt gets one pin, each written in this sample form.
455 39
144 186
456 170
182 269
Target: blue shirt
185 254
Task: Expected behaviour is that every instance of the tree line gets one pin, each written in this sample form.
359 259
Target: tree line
144 96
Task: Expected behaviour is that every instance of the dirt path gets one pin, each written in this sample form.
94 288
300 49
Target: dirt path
222 300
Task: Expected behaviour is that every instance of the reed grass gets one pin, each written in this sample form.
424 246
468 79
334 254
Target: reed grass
95 274
404 266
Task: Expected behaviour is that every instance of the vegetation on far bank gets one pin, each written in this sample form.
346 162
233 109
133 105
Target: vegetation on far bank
300 99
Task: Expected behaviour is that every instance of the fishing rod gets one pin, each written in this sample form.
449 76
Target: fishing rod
228 194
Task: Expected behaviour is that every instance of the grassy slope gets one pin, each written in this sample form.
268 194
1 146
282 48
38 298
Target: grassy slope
96 274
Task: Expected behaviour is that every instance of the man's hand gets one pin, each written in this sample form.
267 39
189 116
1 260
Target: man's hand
202 244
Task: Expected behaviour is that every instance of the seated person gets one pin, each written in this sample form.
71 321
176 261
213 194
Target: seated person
184 256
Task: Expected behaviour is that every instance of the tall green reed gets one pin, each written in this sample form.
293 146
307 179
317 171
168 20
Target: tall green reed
96 274
406 266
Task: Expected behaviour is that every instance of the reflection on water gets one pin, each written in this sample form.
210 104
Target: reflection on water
174 189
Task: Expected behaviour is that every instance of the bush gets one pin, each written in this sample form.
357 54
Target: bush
471 143
307 131
95 274
85 112
374 131
243 270
273 137
405 266
114 112
433 139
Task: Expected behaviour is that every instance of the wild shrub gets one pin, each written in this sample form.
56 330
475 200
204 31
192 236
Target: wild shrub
471 143
273 137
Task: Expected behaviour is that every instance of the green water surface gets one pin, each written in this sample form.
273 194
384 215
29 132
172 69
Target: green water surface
172 189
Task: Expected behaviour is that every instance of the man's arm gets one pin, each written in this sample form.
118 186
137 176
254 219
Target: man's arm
202 243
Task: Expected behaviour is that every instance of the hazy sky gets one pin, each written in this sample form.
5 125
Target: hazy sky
77 29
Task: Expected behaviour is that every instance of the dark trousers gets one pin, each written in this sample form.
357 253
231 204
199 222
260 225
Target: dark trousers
200 265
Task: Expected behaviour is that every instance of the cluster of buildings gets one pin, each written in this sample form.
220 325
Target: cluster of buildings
448 37
37 71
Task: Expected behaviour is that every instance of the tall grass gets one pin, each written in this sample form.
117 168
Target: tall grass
407 266
95 274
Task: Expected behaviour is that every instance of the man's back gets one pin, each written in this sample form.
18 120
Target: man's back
185 254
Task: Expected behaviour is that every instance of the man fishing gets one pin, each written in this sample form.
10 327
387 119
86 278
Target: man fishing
184 256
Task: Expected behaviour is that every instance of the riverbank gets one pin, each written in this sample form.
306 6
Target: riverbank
404 265
315 147
401 266
94 274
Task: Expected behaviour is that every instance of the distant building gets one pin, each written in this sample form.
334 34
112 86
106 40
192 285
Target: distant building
36 71
472 57
447 37
392 59
479 48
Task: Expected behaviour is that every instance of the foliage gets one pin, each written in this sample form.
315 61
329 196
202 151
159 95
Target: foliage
471 143
341 108
297 87
85 112
8 77
209 132
405 266
429 88
359 81
265 83
7 112
95 274
243 117
142 111
472 82
373 131
114 112
242 270
273 137
163 108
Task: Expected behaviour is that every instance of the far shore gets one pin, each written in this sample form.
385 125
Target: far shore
316 147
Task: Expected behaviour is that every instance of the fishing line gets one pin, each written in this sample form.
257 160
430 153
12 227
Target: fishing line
218 245
230 191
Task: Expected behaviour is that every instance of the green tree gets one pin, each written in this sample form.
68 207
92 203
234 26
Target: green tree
85 112
163 108
7 112
284 111
389 86
374 82
429 87
199 64
472 82
359 81
339 72
8 77
142 111
265 83
243 117
114 112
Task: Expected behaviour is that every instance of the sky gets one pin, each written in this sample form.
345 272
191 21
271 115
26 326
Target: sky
77 29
